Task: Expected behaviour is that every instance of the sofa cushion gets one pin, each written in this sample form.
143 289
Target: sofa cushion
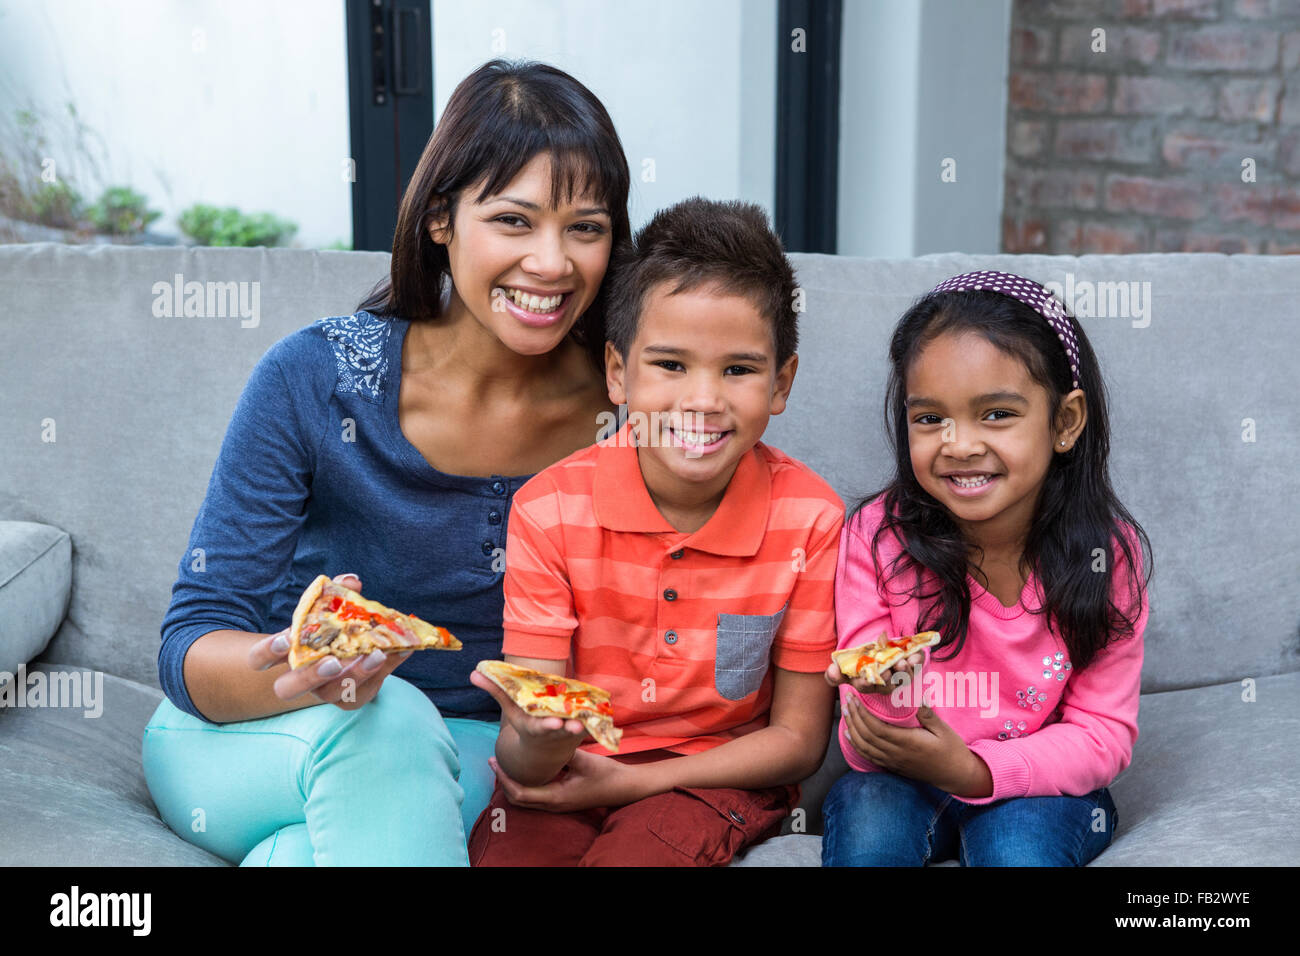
35 584
1212 783
1214 779
71 783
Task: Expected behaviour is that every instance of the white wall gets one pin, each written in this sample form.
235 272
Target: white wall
921 82
963 110
878 123
251 110
690 85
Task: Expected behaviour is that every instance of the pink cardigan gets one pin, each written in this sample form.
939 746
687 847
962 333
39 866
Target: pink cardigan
1043 727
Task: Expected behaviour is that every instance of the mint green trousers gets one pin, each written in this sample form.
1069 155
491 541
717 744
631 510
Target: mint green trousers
390 784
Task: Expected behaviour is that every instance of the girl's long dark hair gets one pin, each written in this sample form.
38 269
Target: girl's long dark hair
498 118
1077 511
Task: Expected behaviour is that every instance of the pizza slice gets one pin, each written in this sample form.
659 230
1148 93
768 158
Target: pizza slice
332 619
869 660
546 695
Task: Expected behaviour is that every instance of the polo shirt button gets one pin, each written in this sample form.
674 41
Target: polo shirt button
676 554
494 517
499 487
736 816
670 595
670 637
487 548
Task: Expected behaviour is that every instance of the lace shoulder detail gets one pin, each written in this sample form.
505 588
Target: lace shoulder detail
360 344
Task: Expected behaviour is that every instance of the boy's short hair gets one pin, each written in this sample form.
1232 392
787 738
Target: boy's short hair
697 242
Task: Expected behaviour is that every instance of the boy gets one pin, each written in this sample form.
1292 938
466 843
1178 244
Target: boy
681 565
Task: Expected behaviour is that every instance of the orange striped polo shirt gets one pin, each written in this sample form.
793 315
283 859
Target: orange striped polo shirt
680 627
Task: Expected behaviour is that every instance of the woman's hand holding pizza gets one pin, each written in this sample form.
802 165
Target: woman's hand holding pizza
348 685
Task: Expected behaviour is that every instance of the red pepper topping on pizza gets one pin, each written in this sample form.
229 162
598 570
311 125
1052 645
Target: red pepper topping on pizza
333 620
868 661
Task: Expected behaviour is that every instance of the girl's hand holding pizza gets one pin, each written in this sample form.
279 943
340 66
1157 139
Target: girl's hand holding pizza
900 673
933 753
347 684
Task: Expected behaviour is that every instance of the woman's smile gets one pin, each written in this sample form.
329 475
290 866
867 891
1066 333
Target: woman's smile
530 308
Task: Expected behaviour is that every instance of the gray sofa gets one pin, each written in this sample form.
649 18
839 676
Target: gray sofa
113 414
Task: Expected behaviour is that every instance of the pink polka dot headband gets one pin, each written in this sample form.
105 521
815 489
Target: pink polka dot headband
1031 294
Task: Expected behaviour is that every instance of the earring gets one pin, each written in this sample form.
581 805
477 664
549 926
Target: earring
1062 444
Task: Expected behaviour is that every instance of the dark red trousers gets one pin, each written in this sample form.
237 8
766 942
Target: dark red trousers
683 827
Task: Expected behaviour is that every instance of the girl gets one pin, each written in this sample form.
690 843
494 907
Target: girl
391 442
1001 532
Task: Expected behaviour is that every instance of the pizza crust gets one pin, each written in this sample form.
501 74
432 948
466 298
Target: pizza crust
296 656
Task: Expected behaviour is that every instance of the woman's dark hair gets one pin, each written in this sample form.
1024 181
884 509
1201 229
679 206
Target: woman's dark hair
1077 511
498 118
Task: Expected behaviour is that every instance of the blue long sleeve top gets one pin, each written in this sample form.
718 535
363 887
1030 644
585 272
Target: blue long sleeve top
315 477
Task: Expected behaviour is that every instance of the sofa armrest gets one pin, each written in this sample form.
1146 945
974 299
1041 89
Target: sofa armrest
35 586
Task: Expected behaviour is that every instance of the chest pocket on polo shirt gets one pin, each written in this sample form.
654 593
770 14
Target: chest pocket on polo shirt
744 652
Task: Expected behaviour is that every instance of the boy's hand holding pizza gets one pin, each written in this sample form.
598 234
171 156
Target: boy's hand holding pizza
531 749
588 780
534 747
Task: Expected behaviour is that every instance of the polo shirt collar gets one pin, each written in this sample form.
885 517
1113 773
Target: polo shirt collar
621 502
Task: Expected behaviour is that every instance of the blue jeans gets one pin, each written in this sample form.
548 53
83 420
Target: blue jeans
391 783
881 819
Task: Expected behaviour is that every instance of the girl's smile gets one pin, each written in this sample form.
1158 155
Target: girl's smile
971 484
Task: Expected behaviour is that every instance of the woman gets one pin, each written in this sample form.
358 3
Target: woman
384 448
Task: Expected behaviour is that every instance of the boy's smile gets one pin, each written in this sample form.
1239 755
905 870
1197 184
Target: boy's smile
700 382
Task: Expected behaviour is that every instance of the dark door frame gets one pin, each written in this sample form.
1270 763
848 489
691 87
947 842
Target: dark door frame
808 123
390 96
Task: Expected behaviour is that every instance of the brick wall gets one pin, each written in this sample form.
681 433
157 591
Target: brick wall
1139 148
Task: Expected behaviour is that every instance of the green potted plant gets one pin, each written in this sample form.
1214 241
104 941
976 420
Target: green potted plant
227 226
122 211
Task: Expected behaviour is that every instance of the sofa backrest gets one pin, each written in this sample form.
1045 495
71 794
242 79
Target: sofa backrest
139 402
